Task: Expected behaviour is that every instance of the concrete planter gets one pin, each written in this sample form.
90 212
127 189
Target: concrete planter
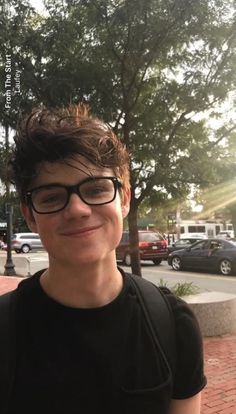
25 265
215 311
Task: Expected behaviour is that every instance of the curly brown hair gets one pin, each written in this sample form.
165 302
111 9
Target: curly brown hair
58 136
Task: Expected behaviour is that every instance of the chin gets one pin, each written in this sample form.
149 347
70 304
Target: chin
84 260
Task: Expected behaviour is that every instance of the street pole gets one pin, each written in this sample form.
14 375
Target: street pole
9 265
178 221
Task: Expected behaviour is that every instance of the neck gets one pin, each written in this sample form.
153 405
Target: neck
88 287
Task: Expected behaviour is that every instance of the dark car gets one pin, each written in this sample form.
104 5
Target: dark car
182 243
152 246
216 255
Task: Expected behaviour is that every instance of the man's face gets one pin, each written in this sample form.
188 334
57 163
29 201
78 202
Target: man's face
80 233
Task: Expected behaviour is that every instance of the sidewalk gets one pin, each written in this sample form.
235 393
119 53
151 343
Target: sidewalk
219 396
8 283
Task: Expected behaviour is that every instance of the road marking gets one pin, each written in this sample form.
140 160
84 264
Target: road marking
191 274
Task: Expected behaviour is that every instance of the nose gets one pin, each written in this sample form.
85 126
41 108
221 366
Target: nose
77 207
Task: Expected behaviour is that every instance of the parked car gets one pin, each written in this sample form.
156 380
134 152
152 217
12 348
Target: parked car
225 234
152 246
3 246
216 255
182 243
24 242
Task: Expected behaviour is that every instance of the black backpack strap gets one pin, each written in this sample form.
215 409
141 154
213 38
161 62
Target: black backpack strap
7 347
159 317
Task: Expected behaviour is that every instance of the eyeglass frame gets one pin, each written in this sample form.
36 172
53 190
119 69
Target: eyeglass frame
73 189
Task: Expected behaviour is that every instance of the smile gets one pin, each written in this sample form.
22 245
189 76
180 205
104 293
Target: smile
80 231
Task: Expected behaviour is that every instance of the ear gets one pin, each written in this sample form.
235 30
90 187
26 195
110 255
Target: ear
29 217
125 203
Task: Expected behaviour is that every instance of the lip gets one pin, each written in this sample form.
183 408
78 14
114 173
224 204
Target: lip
80 231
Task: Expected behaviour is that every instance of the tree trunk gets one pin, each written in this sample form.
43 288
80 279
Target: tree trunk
133 213
133 236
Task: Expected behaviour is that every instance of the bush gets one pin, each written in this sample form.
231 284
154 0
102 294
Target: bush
181 289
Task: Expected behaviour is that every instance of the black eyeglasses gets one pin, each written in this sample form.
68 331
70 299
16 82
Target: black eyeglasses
94 191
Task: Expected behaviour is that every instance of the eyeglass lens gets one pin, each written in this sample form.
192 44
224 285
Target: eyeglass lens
94 192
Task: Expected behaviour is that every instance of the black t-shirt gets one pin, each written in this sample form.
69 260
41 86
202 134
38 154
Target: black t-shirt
73 360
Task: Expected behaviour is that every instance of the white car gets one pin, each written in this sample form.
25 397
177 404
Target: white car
225 234
24 242
194 235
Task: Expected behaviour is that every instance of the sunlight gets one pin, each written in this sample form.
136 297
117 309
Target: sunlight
218 197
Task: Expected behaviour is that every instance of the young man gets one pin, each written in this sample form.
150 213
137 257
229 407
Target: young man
82 341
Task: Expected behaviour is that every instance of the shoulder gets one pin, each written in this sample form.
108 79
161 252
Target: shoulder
188 334
25 285
6 299
185 320
180 310
178 307
30 282
189 377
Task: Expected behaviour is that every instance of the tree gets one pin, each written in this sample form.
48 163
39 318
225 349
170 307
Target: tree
148 67
169 60
17 20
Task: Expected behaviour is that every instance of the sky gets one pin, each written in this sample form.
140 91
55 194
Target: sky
37 4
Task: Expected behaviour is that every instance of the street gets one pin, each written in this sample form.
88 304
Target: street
204 281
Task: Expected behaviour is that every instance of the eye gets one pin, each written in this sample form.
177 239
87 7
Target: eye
49 196
97 189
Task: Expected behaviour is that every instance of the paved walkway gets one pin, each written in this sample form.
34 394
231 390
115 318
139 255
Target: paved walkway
219 396
8 283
